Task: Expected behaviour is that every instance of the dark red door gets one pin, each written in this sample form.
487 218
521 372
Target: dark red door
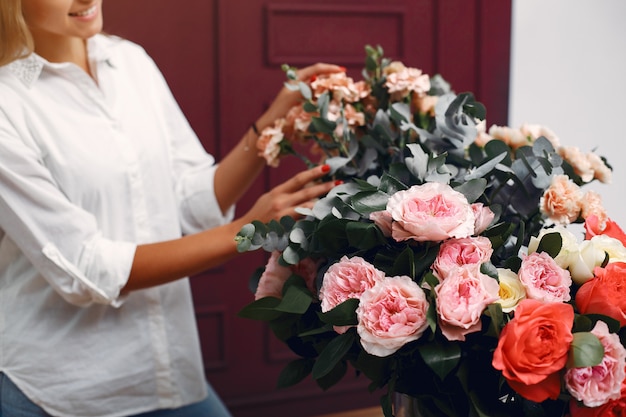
222 60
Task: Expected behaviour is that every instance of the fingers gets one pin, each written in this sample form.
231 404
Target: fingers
302 179
306 73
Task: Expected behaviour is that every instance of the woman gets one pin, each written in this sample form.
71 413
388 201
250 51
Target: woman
100 178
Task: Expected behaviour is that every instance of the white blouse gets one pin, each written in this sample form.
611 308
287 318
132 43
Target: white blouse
88 171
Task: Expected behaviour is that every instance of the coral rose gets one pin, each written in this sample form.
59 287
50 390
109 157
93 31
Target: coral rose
596 385
544 279
461 299
594 226
391 314
533 348
605 293
430 212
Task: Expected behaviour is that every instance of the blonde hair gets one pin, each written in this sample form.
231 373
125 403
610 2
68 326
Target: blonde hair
15 38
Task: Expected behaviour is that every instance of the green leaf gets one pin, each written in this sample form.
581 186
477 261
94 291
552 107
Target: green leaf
551 244
294 372
343 314
364 235
333 354
494 311
585 350
404 264
442 358
262 309
296 297
334 376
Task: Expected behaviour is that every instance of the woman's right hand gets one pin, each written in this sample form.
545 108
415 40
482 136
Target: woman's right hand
301 190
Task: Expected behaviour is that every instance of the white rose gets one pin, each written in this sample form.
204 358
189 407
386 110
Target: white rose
511 290
593 253
569 247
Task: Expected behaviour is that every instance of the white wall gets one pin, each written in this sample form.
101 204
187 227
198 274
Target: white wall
568 72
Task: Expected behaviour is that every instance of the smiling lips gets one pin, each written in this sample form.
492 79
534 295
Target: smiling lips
85 13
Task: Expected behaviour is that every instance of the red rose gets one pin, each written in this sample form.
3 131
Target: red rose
533 348
605 293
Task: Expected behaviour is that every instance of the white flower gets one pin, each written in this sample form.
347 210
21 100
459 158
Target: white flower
512 292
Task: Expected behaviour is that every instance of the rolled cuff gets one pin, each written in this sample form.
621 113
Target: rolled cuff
200 208
101 272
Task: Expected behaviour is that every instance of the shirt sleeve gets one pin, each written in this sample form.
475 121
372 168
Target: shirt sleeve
59 238
193 168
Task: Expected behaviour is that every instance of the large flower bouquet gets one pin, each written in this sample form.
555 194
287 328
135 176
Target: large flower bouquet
447 265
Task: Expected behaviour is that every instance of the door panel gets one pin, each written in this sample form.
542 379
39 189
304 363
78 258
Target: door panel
222 60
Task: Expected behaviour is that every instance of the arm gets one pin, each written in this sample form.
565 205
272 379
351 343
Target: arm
238 170
159 263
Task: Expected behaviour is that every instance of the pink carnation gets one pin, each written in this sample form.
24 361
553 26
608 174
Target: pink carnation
596 385
461 299
544 279
391 314
458 252
430 212
562 200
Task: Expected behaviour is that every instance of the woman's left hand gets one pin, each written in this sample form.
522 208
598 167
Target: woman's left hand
286 98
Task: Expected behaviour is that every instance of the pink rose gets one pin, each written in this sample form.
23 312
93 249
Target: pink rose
533 348
561 202
458 252
430 212
273 278
483 217
391 314
383 220
544 279
346 279
613 408
596 385
461 299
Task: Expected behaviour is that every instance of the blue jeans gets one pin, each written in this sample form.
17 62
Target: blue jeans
13 403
